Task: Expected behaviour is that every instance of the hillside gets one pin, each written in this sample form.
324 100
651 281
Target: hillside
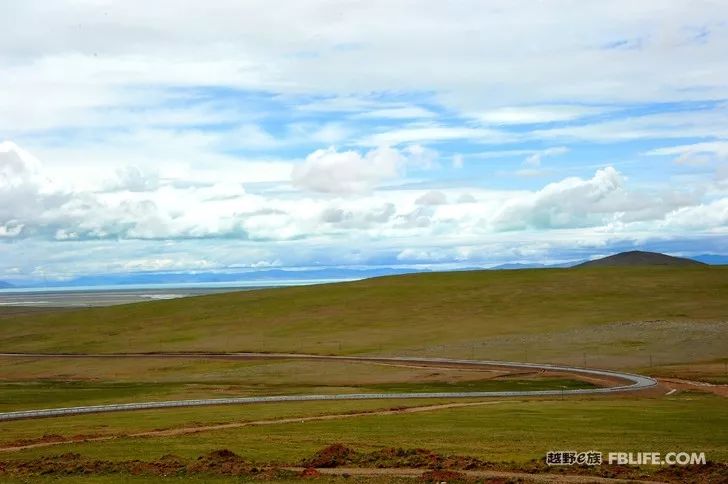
5 285
640 258
506 312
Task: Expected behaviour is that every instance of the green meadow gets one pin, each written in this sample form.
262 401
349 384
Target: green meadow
617 317
668 322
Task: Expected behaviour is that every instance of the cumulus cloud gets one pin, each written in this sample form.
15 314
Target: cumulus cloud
712 214
466 198
332 171
443 224
135 179
433 197
25 194
358 216
35 206
575 202
154 133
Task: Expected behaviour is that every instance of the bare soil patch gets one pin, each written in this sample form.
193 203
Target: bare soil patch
689 385
339 459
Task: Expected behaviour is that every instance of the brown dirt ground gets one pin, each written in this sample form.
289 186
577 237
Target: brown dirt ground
679 385
338 459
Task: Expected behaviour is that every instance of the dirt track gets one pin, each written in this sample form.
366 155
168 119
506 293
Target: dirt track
678 384
14 446
520 476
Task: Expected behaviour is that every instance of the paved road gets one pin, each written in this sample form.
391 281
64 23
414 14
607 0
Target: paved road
627 382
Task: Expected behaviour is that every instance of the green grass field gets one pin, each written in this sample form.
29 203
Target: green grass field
662 321
53 394
498 431
497 313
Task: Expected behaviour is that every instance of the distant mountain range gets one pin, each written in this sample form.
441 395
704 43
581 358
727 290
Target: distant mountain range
273 277
516 265
267 277
640 258
712 259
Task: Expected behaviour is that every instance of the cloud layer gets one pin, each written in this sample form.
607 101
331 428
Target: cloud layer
267 133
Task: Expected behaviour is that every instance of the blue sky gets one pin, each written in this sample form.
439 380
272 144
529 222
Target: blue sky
183 136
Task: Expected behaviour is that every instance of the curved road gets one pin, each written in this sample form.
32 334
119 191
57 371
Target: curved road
628 382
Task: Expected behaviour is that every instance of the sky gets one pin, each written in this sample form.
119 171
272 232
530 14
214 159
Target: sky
228 135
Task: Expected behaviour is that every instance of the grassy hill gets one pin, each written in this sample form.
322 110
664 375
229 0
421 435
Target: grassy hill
640 258
549 314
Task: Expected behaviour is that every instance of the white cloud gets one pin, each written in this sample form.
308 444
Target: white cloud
250 136
166 264
422 255
135 179
433 197
429 134
695 153
25 193
103 61
717 147
34 206
574 202
533 160
404 112
332 171
713 215
710 122
531 166
537 114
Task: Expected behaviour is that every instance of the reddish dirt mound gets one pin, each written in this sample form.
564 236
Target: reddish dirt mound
708 473
338 455
219 462
223 462
420 458
442 476
439 468
310 472
46 438
334 455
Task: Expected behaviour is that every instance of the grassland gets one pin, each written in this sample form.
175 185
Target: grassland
498 431
625 317
53 394
670 322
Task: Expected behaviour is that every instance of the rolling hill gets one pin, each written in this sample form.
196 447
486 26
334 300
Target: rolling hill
640 258
545 312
